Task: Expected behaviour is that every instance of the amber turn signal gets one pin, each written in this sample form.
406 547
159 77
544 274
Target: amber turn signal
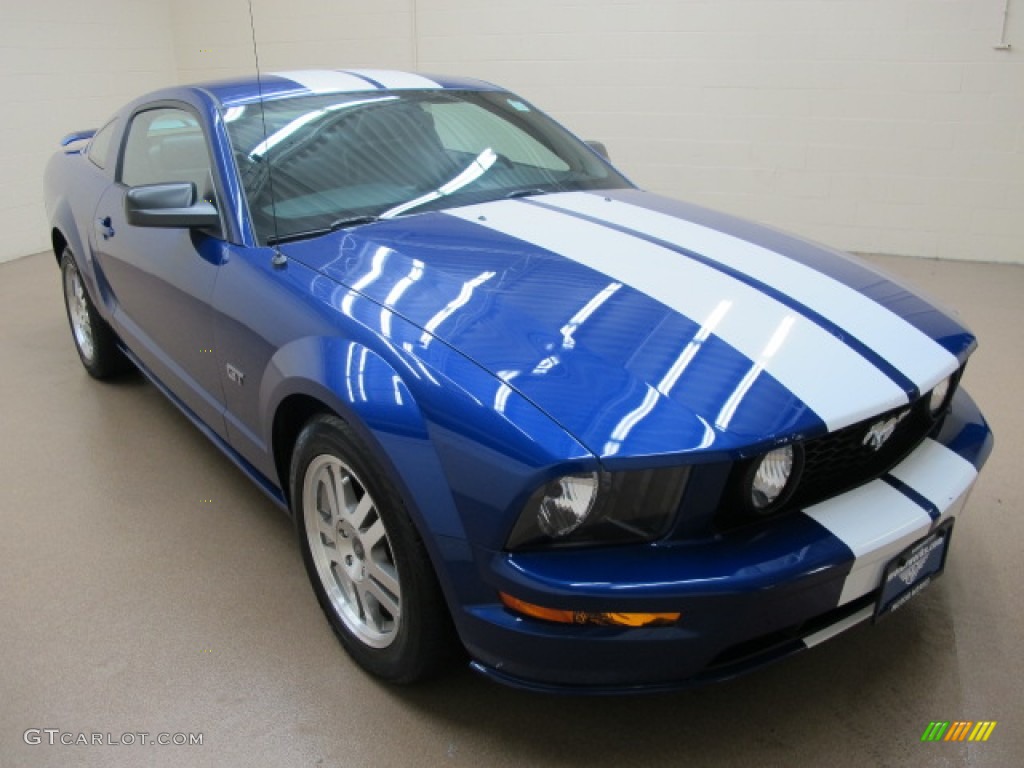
586 617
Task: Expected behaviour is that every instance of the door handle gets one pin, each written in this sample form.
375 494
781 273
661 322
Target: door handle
104 227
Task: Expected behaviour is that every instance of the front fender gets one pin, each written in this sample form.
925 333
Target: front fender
368 393
462 465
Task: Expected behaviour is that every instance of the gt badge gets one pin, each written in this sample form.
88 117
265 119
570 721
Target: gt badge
235 375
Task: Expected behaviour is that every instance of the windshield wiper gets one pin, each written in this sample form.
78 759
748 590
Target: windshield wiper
290 236
525 192
352 221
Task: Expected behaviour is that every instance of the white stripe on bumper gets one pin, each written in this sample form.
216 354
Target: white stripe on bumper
877 522
937 473
816 638
916 355
836 382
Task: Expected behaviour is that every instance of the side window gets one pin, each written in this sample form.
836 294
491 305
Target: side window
99 147
167 145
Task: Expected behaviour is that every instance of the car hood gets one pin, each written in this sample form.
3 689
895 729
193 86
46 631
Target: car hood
645 326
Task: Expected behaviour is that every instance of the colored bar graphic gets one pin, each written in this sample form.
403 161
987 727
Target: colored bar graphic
958 730
935 731
982 731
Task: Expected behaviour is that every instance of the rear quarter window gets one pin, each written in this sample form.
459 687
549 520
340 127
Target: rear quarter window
99 147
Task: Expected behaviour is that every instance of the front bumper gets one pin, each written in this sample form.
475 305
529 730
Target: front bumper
747 598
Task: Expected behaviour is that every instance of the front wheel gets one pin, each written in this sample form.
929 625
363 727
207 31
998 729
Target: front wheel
367 564
95 341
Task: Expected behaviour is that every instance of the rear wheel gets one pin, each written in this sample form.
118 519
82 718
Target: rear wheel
95 341
367 563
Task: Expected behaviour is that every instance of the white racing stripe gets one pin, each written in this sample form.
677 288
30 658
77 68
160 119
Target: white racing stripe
937 473
836 382
816 638
398 80
327 81
877 522
906 348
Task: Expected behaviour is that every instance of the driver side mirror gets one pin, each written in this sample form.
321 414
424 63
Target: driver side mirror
172 204
600 148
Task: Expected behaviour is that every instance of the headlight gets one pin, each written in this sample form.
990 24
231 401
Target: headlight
600 508
771 479
566 503
939 396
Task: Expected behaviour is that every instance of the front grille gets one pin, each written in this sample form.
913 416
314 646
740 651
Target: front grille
844 459
836 462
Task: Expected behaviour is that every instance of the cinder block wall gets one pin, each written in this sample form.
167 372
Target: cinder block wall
889 126
66 65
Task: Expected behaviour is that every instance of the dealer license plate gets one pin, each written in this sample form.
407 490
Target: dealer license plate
913 569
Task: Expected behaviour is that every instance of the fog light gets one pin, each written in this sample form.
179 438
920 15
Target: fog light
937 399
771 477
587 617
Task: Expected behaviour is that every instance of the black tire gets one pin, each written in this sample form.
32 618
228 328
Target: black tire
368 566
95 341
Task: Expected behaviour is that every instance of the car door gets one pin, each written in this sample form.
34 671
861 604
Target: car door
161 279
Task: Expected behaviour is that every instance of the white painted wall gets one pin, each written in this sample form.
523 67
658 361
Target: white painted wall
888 126
65 65
875 125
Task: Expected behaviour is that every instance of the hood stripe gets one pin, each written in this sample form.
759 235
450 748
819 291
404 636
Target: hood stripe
768 333
908 386
907 355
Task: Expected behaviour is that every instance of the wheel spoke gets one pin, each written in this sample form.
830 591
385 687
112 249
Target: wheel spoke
374 535
348 588
328 536
346 493
384 575
331 483
380 596
362 510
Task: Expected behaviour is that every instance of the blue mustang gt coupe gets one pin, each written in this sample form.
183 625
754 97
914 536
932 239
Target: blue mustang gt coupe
601 439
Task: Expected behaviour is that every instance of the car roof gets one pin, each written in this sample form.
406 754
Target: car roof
275 85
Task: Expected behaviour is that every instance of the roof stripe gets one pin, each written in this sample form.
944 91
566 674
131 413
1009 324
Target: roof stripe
327 81
771 335
394 79
908 355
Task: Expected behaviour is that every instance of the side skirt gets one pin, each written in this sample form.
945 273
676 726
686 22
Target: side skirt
262 481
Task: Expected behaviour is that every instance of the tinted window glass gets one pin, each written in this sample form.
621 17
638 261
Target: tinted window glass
166 145
99 147
326 159
464 127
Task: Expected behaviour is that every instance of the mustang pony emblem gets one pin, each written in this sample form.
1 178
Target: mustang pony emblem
879 434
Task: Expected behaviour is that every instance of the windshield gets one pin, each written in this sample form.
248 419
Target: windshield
328 161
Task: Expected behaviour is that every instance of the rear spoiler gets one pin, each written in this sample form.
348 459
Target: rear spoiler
71 138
